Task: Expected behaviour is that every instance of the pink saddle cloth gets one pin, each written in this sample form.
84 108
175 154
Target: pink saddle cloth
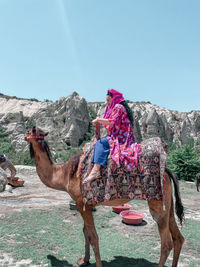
144 182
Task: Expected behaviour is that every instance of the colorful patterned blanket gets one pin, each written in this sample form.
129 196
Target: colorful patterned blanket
145 182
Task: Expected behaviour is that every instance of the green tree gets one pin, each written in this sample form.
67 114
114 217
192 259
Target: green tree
184 160
6 147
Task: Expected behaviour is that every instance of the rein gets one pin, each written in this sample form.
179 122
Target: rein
36 137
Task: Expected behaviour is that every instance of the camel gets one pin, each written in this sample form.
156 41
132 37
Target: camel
198 181
5 163
64 177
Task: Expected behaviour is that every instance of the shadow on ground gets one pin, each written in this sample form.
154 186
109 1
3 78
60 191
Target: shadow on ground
58 263
143 223
119 261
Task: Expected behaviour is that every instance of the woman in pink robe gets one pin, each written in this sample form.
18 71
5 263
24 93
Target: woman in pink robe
119 142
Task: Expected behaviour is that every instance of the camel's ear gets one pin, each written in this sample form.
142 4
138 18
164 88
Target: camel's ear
45 134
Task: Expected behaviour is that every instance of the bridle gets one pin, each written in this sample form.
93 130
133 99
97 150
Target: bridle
35 137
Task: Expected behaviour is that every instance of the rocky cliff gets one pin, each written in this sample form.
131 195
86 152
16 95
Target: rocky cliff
68 121
151 120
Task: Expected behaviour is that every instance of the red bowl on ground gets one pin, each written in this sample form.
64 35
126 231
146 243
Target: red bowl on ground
121 208
132 216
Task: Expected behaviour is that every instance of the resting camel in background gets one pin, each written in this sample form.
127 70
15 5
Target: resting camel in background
5 163
198 181
64 177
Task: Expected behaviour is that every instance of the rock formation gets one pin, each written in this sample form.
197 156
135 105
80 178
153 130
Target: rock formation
68 121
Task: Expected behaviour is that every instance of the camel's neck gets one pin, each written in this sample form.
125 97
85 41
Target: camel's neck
61 177
49 173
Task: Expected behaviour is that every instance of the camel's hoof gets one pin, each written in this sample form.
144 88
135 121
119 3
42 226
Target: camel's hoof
81 262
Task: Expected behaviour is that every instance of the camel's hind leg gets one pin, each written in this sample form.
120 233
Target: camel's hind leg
91 237
162 219
177 237
161 216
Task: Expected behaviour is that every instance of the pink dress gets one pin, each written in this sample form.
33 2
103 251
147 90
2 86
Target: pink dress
123 148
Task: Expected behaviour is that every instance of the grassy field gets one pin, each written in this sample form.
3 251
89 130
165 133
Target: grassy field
53 237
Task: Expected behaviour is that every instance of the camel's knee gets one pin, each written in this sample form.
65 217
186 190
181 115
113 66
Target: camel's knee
165 250
179 240
166 239
175 232
169 244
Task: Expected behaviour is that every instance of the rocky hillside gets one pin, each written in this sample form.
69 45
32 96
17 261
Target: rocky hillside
151 120
68 122
13 105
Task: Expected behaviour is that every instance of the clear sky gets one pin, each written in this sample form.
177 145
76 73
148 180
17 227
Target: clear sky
147 49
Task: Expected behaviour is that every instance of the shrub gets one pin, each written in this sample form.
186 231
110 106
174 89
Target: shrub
19 158
23 158
62 157
92 113
47 100
64 118
184 160
3 132
29 125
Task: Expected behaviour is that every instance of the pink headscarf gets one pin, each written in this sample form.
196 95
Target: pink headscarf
117 97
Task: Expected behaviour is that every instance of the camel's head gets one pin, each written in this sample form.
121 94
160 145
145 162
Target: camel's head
35 134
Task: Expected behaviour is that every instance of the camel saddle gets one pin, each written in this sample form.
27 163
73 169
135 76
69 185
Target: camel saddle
144 182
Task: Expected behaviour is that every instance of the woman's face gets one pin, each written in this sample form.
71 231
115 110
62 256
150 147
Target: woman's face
108 99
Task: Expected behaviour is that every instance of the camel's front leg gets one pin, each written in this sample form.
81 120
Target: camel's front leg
83 261
91 237
87 245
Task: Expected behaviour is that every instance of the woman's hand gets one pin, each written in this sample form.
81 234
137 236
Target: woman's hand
101 121
95 121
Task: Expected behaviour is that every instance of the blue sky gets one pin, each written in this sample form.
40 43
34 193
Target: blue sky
147 49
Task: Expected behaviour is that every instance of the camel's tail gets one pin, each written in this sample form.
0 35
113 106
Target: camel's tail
178 204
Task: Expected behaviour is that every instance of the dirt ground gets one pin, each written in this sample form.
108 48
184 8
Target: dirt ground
35 195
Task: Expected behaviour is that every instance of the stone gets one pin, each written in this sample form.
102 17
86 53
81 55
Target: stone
3 180
9 188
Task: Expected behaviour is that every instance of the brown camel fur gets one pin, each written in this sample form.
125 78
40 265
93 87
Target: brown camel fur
64 177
